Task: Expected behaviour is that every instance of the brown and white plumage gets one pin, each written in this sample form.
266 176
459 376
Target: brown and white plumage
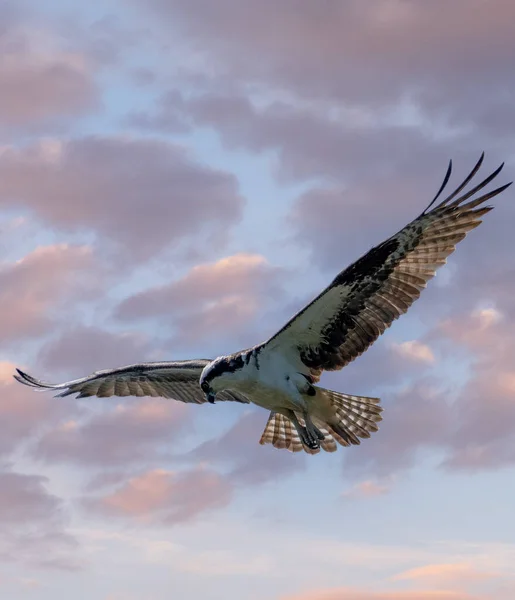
331 331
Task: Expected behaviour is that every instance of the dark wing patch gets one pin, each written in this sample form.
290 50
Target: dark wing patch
364 299
178 380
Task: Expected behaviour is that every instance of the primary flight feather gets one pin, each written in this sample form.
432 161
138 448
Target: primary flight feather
336 327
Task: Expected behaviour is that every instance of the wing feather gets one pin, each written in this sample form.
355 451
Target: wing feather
364 299
178 380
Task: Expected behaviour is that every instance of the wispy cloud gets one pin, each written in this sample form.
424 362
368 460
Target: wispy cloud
136 193
166 497
33 287
119 435
38 63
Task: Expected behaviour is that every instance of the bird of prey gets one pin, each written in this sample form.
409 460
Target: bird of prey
281 374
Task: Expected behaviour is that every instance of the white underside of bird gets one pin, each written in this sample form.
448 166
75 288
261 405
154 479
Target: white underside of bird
282 373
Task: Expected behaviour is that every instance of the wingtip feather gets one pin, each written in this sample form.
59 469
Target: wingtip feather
32 382
442 187
25 378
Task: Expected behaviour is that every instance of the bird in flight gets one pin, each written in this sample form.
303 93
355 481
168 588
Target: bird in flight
281 374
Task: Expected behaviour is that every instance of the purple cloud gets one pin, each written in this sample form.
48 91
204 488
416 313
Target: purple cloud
142 195
131 432
32 524
37 63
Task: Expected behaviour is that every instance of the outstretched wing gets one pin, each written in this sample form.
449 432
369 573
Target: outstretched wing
364 299
178 380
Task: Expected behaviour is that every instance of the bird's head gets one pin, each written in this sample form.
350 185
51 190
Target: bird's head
219 374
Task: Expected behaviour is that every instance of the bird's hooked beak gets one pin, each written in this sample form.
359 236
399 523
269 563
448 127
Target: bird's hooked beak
210 397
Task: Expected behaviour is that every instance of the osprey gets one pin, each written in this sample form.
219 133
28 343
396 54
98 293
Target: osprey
337 326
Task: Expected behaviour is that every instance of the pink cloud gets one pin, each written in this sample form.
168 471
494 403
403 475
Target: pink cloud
474 330
354 594
461 574
231 277
416 351
485 408
137 194
366 489
130 432
34 286
223 296
166 497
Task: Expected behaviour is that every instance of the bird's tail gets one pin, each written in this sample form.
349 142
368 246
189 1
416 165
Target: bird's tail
353 417
281 433
343 418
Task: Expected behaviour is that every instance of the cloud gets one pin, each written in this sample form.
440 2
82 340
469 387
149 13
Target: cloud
341 147
169 116
366 489
356 594
138 194
32 524
211 298
485 434
40 61
470 422
404 432
166 497
195 557
206 283
22 413
377 372
36 64
81 350
461 574
473 329
128 433
415 350
238 449
377 148
220 562
25 498
341 223
305 50
32 288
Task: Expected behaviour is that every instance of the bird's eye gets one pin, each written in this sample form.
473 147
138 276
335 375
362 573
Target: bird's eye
204 386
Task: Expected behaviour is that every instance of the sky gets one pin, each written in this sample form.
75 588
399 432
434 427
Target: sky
177 178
